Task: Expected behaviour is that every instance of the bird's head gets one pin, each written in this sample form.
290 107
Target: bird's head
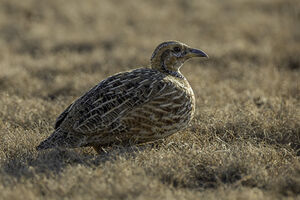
168 57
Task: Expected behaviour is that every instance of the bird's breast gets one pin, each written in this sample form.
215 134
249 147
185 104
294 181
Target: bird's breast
165 114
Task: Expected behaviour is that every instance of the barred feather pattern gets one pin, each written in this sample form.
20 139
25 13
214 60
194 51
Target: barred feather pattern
138 106
131 107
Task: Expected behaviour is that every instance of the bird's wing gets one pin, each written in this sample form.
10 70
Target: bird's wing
103 106
62 116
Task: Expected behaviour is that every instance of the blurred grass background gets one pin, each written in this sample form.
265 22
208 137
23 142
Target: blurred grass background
243 143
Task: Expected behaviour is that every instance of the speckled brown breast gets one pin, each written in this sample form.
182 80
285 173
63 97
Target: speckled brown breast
164 114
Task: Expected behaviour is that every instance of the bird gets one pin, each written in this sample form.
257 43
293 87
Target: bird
133 107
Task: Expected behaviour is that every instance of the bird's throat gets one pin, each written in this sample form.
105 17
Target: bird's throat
168 71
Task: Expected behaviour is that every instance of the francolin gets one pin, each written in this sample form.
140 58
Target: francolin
132 107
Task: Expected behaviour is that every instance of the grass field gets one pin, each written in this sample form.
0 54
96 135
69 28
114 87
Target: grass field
244 142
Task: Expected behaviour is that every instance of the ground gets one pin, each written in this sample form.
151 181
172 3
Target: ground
244 142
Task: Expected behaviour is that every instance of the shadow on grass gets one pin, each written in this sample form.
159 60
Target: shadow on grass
54 161
204 177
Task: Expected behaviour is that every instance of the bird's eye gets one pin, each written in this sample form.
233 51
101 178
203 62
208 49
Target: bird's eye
177 49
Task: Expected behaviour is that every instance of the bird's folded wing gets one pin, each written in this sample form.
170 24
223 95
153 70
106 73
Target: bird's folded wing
105 104
62 116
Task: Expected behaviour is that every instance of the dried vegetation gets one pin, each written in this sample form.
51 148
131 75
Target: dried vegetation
243 143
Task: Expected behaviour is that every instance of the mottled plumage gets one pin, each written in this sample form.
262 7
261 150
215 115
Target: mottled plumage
137 106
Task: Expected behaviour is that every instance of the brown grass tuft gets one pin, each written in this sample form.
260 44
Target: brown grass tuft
244 142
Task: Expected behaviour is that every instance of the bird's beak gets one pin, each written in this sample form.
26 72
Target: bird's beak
197 53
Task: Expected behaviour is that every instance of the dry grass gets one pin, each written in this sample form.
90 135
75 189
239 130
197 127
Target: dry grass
244 142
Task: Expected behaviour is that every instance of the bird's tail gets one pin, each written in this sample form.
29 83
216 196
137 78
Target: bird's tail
60 138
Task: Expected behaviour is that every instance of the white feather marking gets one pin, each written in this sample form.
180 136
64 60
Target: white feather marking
151 90
117 87
144 81
152 83
163 88
113 81
112 110
103 104
178 97
155 109
166 105
169 93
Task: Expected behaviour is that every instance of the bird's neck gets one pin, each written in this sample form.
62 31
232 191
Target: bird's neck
168 71
163 68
